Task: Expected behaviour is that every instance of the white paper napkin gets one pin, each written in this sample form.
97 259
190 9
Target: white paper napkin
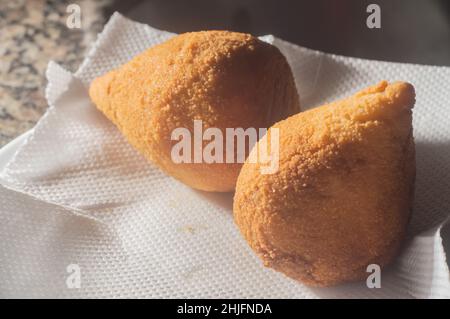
76 193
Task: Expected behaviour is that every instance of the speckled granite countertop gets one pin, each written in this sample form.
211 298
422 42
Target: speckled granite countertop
32 33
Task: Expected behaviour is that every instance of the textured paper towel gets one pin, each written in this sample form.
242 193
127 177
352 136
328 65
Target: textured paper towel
77 193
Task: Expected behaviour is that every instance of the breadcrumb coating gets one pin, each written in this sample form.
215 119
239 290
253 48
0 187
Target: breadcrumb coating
225 79
342 196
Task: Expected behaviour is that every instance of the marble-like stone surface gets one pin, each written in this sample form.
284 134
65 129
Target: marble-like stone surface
31 34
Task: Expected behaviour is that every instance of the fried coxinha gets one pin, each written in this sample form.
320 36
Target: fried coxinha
341 199
225 79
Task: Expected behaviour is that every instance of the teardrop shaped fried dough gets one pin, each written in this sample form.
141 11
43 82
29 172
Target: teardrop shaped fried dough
342 196
225 79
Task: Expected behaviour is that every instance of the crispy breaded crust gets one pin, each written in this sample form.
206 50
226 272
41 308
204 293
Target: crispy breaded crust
225 79
342 197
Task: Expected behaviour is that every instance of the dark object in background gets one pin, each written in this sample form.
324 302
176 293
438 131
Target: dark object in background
415 31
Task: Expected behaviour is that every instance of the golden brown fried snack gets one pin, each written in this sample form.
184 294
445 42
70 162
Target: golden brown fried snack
225 79
342 196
